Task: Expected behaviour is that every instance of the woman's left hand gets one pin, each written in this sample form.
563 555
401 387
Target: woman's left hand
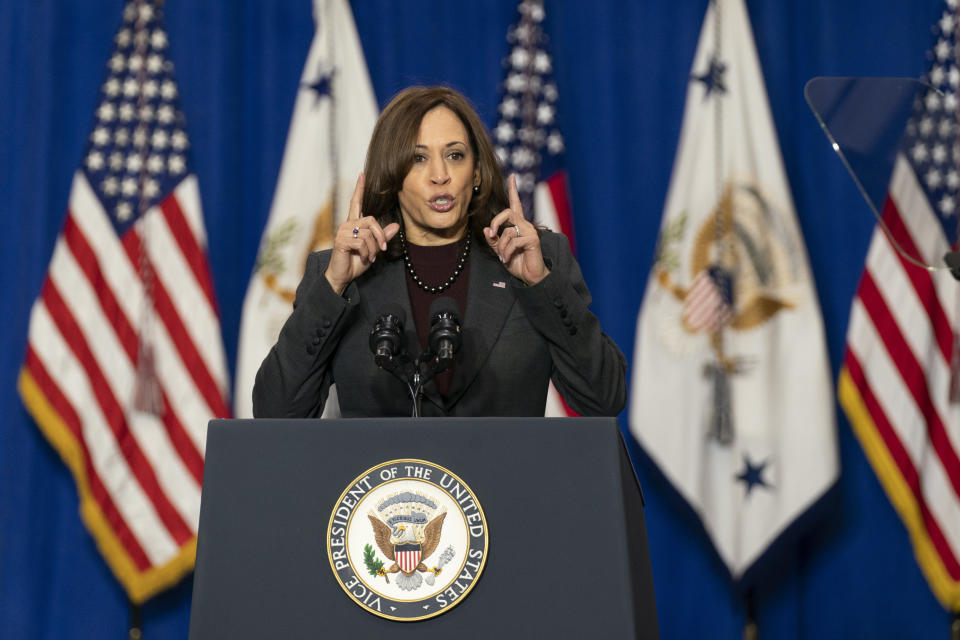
519 245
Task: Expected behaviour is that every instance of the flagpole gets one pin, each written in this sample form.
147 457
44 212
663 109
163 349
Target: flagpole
136 622
750 630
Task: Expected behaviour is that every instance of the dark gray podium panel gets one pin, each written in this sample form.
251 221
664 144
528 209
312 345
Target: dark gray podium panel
567 554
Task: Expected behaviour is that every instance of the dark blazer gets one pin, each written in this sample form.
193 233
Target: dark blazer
515 339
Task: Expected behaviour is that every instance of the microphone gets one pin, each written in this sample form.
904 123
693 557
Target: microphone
386 339
445 337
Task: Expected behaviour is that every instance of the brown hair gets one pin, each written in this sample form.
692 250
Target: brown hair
391 154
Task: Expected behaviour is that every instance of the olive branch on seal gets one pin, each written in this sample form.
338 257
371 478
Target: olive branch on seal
374 565
270 260
666 256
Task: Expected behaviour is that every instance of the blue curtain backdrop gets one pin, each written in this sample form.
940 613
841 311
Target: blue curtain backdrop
622 67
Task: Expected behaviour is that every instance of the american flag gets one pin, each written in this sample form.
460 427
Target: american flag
124 364
896 379
527 136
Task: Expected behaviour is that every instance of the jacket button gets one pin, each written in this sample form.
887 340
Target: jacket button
563 312
558 302
316 340
573 331
312 350
325 323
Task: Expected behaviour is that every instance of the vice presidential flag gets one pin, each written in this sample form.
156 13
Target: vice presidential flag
333 118
124 364
527 137
731 393
902 345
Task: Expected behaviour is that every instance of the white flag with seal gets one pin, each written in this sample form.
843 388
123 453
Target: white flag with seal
333 118
731 394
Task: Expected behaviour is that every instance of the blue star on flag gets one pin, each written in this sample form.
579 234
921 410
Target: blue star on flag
321 86
752 475
713 78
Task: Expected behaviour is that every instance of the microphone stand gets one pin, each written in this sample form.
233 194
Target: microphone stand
413 373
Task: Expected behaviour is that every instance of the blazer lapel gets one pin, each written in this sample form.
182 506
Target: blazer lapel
489 300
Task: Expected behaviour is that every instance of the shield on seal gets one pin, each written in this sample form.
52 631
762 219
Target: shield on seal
407 556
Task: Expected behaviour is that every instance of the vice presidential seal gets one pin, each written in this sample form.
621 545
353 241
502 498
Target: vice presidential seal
407 540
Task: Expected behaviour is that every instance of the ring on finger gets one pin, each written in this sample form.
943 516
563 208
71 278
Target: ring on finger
517 229
356 231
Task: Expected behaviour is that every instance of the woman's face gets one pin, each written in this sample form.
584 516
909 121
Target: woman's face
436 192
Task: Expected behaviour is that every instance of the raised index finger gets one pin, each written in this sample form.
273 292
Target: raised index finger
356 199
515 204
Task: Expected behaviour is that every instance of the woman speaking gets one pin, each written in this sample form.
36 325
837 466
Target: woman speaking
430 218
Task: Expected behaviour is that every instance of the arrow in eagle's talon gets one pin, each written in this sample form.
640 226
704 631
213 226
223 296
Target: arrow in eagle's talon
445 557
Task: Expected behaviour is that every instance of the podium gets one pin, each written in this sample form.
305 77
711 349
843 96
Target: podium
567 553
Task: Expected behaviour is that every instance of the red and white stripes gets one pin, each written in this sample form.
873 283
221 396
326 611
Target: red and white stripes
142 470
899 348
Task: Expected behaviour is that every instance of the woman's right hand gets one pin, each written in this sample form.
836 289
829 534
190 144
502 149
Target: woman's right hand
358 241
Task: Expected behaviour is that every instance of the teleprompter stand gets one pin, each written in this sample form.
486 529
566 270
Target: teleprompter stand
567 554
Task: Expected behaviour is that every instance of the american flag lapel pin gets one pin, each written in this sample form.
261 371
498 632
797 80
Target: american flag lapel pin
500 284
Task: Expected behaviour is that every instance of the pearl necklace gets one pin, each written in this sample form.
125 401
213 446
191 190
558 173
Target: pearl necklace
441 287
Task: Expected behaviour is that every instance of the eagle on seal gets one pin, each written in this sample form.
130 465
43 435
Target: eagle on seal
407 535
